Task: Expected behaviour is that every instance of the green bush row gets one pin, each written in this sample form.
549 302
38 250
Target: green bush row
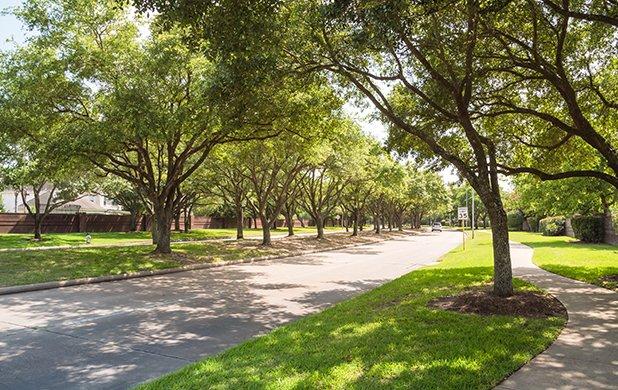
515 220
552 226
588 228
533 222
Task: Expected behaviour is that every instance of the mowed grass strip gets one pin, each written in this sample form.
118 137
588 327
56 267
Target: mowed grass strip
591 263
26 267
19 240
387 338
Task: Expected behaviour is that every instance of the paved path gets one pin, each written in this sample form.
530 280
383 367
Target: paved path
585 355
113 335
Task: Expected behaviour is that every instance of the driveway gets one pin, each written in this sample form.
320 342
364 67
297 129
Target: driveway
114 335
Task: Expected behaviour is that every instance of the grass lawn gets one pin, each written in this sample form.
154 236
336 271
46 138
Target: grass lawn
25 267
15 240
568 257
386 338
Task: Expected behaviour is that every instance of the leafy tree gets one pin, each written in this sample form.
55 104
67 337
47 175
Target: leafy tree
430 89
364 167
33 162
324 180
271 174
126 196
554 71
227 179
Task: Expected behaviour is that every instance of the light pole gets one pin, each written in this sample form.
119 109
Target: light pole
472 220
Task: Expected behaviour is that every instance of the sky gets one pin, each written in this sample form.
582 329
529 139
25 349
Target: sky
11 31
10 27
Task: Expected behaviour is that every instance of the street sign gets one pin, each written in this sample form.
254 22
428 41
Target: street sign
462 213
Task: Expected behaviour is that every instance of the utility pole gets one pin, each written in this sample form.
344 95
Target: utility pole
472 221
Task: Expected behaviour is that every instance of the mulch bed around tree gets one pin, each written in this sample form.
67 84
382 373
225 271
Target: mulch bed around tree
485 302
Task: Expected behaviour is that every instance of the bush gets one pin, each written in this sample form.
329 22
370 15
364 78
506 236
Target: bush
588 228
552 226
533 222
515 220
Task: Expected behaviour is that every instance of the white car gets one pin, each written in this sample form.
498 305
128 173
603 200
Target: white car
436 227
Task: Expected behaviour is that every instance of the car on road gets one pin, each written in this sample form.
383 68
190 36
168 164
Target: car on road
436 227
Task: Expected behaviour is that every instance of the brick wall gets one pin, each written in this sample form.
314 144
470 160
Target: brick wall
95 223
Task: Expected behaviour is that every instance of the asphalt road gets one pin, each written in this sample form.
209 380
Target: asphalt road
118 334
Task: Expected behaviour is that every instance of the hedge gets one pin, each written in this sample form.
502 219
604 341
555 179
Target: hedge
588 228
533 222
552 226
515 220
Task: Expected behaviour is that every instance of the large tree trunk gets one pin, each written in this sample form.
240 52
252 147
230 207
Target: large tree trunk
355 224
162 230
240 222
378 224
319 224
503 274
266 240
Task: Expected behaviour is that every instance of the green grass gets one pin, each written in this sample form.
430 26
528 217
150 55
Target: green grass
568 257
16 240
386 338
26 267
17 268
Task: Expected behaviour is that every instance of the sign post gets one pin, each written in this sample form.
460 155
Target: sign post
462 215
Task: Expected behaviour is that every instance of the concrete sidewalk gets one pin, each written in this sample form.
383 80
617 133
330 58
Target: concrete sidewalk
585 355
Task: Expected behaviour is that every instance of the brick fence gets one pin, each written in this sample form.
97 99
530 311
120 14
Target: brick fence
96 223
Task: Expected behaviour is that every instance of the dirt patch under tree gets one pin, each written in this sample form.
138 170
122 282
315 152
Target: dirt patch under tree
485 302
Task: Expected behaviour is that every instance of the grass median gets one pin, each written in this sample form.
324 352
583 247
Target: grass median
386 338
20 241
592 263
26 267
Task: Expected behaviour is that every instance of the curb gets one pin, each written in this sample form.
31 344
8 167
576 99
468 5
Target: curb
143 274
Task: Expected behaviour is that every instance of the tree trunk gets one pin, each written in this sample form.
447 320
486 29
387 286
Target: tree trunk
162 231
377 224
319 224
266 240
187 224
240 222
38 222
289 221
355 224
503 274
177 221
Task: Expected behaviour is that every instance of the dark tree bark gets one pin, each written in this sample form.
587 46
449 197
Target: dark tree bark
240 221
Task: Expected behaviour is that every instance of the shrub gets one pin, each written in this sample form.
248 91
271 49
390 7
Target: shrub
552 226
533 222
515 220
588 228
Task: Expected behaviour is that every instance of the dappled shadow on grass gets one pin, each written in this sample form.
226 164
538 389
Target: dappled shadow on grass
121 333
383 339
596 275
17 268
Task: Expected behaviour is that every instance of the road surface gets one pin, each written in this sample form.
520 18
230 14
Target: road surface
114 335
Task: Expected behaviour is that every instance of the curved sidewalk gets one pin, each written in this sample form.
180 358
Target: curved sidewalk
585 355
